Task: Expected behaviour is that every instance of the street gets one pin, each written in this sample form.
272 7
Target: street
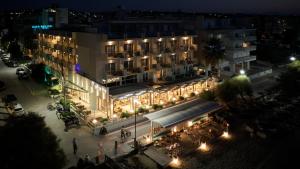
33 98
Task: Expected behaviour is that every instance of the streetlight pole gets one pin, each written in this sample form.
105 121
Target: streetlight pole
134 108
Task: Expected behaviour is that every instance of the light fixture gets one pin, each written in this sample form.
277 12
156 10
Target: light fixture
242 72
159 39
292 58
110 42
173 39
190 123
148 139
175 160
145 40
95 121
203 146
175 129
129 41
185 38
226 135
114 115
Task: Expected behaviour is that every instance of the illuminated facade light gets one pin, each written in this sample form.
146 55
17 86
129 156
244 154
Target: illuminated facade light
110 42
129 41
185 38
175 129
173 39
145 40
190 123
159 39
148 140
95 121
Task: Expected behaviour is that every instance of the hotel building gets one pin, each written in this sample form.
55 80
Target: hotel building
116 73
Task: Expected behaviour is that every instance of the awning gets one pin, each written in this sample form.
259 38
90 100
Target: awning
184 112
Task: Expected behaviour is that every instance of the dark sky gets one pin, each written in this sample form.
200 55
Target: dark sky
244 6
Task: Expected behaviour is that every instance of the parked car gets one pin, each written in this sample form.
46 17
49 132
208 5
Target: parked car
12 64
20 70
18 109
23 75
9 99
53 93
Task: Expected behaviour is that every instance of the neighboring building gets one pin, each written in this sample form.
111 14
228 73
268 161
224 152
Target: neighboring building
240 47
57 17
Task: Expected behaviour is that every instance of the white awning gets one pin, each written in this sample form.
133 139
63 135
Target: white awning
184 112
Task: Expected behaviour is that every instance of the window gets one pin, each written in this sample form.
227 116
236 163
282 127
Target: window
128 47
111 67
128 65
146 47
173 44
145 62
110 49
159 59
160 46
174 58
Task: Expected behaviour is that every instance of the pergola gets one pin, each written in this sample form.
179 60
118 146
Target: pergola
170 117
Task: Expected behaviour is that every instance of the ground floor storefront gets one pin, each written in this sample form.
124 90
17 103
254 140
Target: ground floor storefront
147 99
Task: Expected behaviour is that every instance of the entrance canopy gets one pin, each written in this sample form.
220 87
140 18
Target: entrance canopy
183 112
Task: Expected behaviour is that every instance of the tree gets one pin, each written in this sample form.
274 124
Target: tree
213 53
289 81
26 142
15 50
226 92
237 87
29 43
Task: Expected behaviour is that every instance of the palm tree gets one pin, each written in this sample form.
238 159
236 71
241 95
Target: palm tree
213 52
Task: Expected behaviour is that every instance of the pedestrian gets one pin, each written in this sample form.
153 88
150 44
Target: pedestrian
74 146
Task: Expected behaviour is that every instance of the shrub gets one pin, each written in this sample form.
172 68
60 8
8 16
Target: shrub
208 95
157 106
125 115
192 94
66 104
181 98
172 102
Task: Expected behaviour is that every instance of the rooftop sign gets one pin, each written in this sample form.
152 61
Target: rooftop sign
41 26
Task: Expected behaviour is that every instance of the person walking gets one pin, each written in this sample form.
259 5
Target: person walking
74 146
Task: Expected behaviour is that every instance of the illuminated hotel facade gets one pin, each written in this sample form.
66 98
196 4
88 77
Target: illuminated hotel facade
115 75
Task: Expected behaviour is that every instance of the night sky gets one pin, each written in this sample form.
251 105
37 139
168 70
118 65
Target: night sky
244 6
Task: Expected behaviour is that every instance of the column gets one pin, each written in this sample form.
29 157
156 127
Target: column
151 131
248 65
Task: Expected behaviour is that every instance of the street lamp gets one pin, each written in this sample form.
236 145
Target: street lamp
135 101
292 58
242 72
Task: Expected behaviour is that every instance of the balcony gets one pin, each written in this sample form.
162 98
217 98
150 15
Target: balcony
137 54
184 48
243 59
163 65
117 73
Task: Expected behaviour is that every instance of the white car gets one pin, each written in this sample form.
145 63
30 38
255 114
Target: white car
18 109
